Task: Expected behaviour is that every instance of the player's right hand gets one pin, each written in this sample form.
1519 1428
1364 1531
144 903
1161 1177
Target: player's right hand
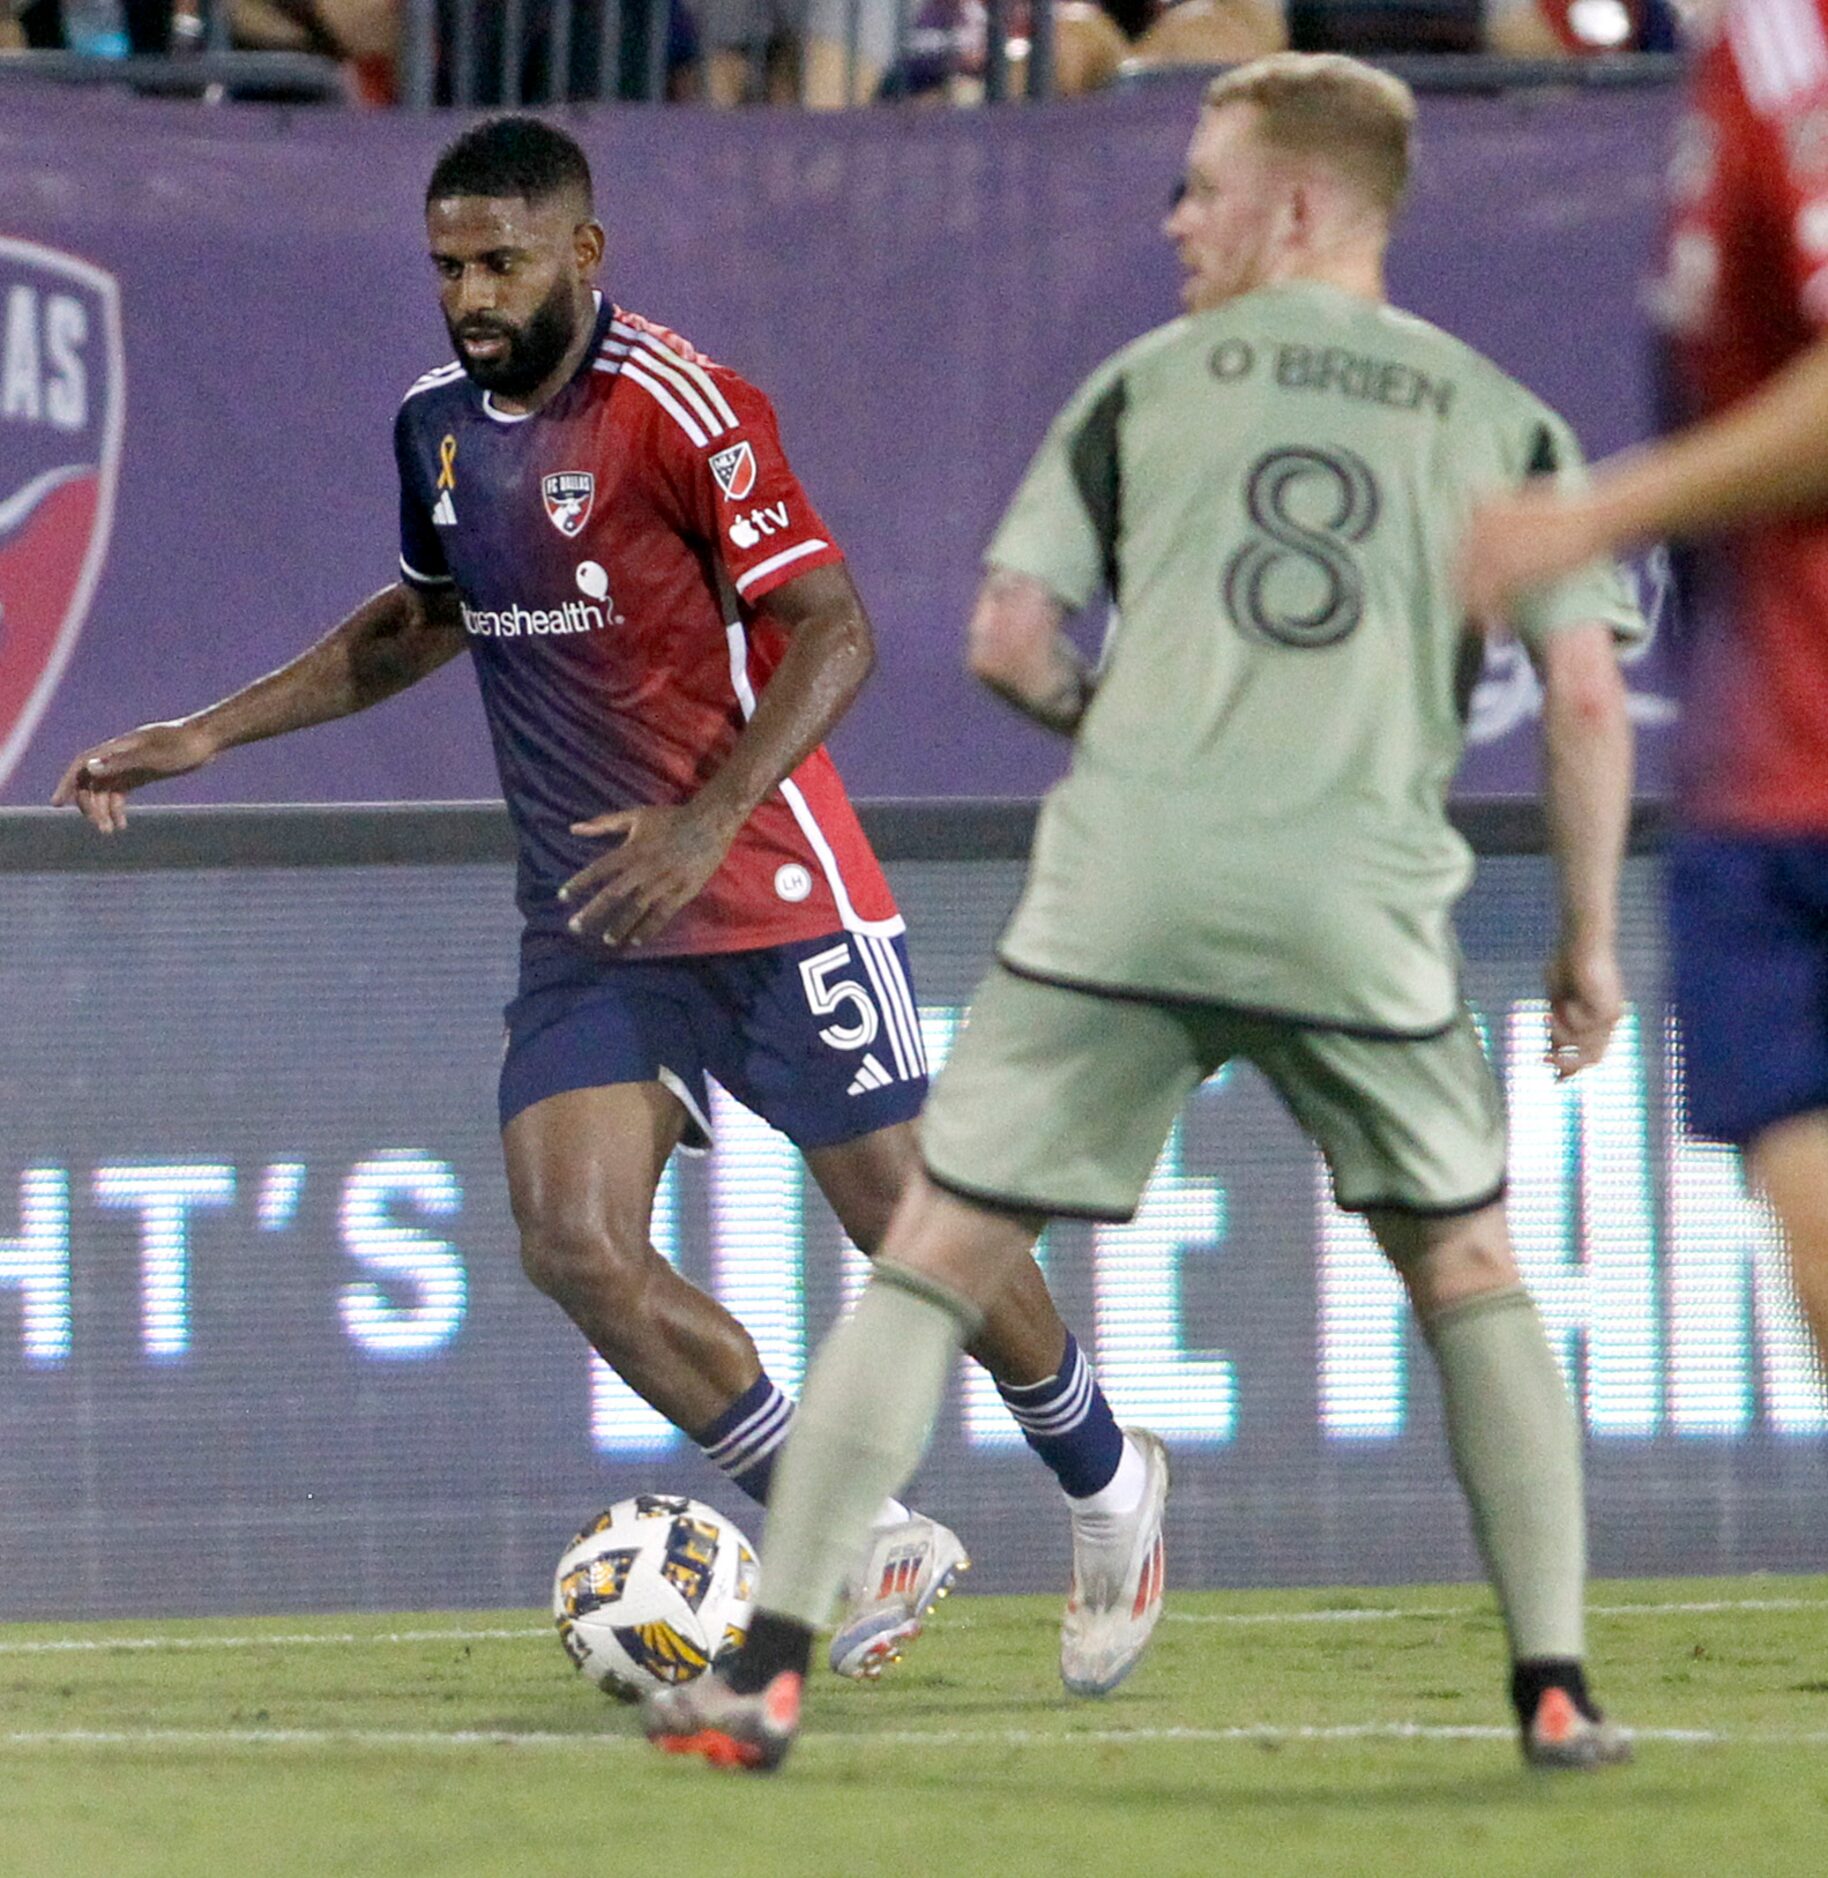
99 780
1586 1000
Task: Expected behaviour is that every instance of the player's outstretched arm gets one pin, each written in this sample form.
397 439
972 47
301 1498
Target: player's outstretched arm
665 855
1764 458
1016 645
1587 742
386 644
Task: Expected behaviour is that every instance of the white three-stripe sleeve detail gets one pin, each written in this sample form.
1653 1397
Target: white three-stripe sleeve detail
660 367
782 559
719 402
706 383
891 1016
631 370
444 375
665 366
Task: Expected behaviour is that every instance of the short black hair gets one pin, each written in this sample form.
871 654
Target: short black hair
510 156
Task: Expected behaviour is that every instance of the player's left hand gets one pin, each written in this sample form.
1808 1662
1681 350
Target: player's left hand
1586 1000
662 858
1517 542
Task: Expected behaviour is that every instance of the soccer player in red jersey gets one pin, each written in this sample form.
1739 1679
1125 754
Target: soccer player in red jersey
1742 298
663 632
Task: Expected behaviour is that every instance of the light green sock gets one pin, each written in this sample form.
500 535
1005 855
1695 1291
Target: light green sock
1516 1450
862 1426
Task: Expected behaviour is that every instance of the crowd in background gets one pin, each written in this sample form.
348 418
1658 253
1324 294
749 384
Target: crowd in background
826 53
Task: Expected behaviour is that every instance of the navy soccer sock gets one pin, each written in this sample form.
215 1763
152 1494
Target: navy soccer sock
1067 1421
744 1440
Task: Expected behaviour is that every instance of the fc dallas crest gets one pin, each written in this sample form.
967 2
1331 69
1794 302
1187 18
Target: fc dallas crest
62 397
568 497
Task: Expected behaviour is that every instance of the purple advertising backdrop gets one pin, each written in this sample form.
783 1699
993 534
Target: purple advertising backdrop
917 291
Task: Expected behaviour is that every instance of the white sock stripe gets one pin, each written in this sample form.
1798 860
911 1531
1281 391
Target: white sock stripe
1065 1412
762 1428
739 1460
891 1018
758 1433
1060 1420
1055 1384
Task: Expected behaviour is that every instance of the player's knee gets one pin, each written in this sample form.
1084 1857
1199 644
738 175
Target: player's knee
578 1257
1446 1262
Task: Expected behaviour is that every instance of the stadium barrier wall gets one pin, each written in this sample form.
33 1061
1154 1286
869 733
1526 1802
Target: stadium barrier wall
265 1345
211 315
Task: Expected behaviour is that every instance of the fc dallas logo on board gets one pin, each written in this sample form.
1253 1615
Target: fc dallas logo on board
735 471
568 497
62 396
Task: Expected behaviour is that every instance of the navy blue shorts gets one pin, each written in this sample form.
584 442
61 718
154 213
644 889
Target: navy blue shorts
820 1038
1748 927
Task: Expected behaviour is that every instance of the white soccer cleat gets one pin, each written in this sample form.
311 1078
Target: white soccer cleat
1116 1598
910 1567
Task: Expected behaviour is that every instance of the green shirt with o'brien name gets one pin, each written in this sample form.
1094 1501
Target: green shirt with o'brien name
1273 493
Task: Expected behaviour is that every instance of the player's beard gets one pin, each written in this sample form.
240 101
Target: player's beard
534 349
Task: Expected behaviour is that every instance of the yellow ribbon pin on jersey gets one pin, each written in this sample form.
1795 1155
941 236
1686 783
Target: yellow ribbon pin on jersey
447 463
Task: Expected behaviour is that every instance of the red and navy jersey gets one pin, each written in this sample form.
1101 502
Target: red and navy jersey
609 553
1742 291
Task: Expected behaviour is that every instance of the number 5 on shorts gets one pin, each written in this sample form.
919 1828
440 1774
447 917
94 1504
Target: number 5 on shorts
829 994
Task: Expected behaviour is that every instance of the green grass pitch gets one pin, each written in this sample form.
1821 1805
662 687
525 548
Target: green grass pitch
1268 1733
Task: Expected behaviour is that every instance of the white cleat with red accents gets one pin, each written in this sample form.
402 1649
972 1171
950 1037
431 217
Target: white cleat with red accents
1116 1598
911 1565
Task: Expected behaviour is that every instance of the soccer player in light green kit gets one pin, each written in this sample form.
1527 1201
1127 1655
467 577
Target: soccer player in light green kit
1251 858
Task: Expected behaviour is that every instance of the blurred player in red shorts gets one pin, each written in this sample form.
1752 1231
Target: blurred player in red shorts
1742 299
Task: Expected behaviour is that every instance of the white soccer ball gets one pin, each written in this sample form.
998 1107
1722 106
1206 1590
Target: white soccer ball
653 1592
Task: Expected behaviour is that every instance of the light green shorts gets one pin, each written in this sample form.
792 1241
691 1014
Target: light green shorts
1057 1101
